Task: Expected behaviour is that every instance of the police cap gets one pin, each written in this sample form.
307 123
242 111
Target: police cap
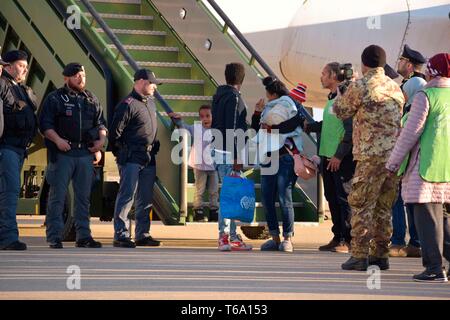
146 74
72 69
15 55
415 57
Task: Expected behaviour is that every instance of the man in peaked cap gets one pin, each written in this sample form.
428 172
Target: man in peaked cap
132 139
410 64
74 128
19 119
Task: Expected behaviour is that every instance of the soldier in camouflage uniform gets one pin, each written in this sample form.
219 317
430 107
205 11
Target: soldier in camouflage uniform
375 103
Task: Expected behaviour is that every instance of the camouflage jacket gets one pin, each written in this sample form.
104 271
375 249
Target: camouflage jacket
375 102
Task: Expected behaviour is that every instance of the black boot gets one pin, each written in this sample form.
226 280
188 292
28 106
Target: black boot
88 243
16 246
359 264
213 215
199 216
56 244
382 263
124 243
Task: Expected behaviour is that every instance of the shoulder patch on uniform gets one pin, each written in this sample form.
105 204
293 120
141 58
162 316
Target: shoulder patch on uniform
128 100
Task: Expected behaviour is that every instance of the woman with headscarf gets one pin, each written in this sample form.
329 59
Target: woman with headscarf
426 183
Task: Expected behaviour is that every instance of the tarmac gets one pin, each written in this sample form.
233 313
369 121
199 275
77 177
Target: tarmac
188 266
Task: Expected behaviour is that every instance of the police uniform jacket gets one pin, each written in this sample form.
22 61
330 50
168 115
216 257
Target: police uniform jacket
133 129
75 116
18 115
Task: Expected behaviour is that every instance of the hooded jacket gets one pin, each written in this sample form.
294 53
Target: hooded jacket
228 112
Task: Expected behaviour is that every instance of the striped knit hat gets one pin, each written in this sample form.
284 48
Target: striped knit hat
299 93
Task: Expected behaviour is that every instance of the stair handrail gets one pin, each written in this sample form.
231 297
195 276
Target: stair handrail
106 72
228 24
119 46
254 54
162 101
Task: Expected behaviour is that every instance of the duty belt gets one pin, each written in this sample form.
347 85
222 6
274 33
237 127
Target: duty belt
78 145
141 148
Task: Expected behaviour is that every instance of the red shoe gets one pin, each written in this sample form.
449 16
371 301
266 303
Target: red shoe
239 245
224 244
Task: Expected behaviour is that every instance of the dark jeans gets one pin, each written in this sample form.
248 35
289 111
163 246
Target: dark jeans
399 224
80 171
10 168
433 226
135 180
280 183
337 201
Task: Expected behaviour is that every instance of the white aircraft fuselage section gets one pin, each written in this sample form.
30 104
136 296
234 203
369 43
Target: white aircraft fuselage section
297 38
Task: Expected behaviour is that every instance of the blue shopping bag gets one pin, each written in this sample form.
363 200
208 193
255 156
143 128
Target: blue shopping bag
237 199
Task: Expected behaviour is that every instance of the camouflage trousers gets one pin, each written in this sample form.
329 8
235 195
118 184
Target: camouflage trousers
371 199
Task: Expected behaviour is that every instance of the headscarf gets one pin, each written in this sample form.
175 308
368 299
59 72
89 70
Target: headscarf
411 87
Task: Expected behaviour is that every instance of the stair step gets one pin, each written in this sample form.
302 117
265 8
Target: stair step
122 16
170 70
135 31
182 81
125 21
147 37
161 64
185 105
187 97
146 48
118 1
183 114
150 53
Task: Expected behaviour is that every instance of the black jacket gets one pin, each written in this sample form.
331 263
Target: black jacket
132 134
6 98
75 116
228 112
19 118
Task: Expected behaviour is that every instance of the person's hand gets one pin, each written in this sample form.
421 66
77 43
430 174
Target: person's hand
305 125
334 164
98 145
237 167
63 145
260 105
97 158
266 127
174 115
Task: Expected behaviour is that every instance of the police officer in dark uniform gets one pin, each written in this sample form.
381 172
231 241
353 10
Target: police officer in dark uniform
132 138
410 64
6 96
19 128
74 128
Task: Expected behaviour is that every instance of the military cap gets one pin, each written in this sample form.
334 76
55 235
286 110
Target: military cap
415 57
391 73
146 74
15 55
72 69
